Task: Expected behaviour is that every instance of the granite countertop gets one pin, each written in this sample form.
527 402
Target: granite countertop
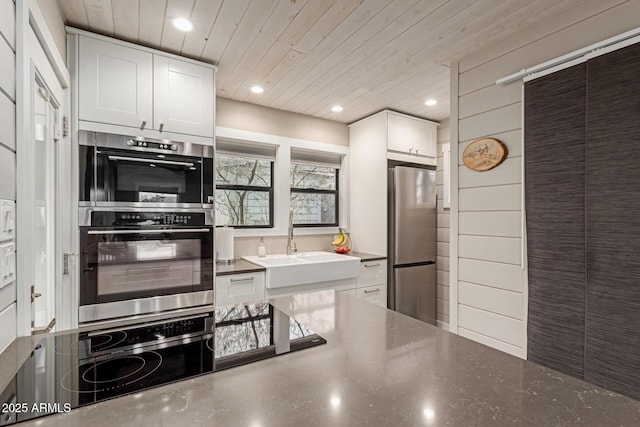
239 267
378 368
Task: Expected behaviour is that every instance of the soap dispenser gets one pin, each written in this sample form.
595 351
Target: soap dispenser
262 251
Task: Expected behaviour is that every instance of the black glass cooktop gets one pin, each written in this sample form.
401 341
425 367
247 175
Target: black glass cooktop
67 371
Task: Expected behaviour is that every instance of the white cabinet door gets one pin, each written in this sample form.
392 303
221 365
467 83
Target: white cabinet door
239 288
372 273
399 130
412 136
183 97
115 84
424 139
374 294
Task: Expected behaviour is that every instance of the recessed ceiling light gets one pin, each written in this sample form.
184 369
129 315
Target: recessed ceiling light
430 102
336 108
257 89
183 24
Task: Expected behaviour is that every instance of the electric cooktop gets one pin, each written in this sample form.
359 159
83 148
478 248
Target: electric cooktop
72 370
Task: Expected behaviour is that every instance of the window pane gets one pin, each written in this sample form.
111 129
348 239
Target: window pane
311 176
232 170
313 208
241 207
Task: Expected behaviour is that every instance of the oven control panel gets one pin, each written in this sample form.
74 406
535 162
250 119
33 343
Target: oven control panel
149 144
143 219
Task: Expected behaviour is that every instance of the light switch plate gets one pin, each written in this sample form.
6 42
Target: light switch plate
7 264
7 220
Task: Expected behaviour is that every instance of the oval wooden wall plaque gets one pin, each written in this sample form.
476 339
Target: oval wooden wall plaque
484 154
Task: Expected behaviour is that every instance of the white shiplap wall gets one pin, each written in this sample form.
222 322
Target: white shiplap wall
491 288
7 152
442 264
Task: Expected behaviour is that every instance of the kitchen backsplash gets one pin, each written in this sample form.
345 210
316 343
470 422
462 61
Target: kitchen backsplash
245 246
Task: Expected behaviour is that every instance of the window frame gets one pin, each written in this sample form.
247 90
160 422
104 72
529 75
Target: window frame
240 187
335 192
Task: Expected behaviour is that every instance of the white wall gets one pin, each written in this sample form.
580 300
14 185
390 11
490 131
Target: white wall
55 22
442 262
489 300
7 152
255 118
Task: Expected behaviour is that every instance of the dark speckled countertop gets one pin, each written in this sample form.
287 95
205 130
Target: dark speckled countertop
239 267
378 368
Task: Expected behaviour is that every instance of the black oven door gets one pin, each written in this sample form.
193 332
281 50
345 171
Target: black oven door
136 178
128 264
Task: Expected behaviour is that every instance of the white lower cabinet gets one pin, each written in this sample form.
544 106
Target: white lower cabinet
371 284
374 294
351 292
239 288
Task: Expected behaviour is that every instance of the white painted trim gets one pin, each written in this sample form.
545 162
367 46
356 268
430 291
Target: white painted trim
453 210
523 224
35 50
281 189
40 28
72 30
446 175
442 325
576 57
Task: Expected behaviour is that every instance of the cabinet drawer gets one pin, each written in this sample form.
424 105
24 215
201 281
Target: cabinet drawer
374 294
372 273
239 288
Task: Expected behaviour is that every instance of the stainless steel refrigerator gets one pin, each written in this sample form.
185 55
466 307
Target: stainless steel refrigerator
412 242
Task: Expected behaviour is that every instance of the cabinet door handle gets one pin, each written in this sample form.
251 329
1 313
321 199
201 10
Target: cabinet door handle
416 151
372 265
373 291
142 126
410 151
161 127
244 279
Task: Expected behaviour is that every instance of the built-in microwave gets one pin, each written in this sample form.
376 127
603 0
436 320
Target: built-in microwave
118 170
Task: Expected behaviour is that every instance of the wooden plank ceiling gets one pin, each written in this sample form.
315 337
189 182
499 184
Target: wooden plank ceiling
309 55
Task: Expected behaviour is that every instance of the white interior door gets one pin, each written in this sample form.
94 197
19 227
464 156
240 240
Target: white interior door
45 117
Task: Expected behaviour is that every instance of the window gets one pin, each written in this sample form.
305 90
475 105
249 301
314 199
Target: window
314 188
244 186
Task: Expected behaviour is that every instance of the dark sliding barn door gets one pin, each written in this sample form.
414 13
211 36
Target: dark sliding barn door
554 197
582 172
613 221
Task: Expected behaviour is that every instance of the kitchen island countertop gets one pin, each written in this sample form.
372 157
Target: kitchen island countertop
378 368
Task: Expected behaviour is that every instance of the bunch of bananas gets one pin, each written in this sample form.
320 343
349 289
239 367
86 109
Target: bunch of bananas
342 238
342 242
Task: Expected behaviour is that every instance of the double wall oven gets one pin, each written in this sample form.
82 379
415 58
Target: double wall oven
146 226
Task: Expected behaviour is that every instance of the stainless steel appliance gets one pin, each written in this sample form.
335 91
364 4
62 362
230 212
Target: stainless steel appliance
66 371
412 242
137 262
119 170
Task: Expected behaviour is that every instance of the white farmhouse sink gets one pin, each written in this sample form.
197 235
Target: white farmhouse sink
306 267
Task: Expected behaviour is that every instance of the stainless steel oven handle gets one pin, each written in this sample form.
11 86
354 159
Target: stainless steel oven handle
170 231
141 160
137 325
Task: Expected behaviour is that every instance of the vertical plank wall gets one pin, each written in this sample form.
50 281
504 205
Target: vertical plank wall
491 286
442 237
8 315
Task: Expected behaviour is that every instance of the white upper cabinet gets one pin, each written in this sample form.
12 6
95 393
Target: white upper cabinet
121 84
183 97
115 84
412 136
